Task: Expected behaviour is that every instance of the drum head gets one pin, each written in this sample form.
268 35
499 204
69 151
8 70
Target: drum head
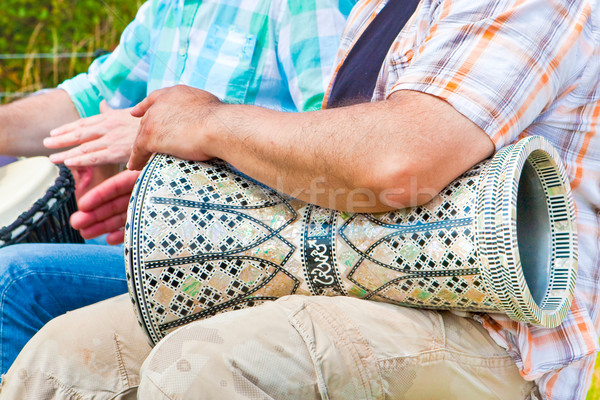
22 183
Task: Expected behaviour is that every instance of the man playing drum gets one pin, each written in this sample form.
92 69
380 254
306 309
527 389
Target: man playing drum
460 79
276 54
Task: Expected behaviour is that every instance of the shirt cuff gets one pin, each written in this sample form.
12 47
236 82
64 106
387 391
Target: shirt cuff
83 94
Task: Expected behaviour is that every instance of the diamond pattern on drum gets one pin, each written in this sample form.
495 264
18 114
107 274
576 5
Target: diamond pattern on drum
182 290
407 258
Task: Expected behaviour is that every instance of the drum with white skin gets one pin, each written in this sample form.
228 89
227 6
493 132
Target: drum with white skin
37 199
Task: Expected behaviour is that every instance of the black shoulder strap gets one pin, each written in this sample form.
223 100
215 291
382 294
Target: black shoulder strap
356 78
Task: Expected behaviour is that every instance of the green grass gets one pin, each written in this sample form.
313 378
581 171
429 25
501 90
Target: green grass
56 26
594 392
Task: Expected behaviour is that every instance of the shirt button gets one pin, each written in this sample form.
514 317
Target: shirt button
182 51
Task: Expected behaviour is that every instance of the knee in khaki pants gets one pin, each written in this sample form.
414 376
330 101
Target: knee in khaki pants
337 348
296 347
94 352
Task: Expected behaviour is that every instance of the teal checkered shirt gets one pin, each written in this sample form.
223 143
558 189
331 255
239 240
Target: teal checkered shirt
273 53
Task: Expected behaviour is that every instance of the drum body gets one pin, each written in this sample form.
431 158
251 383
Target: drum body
201 238
38 198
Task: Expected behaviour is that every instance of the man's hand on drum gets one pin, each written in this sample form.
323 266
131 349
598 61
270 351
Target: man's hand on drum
179 121
105 138
104 208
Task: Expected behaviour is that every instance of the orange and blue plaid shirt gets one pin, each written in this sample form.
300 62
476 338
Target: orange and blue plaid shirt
517 68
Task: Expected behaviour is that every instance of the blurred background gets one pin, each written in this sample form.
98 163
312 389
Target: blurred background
43 42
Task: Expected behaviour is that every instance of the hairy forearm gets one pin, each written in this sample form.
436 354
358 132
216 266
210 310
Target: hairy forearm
365 158
24 123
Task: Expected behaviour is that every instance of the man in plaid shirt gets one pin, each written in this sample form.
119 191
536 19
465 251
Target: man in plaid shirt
461 80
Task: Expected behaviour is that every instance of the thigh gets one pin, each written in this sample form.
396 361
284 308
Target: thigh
57 268
41 281
332 348
94 352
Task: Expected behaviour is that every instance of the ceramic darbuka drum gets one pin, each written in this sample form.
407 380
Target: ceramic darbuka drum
202 238
37 199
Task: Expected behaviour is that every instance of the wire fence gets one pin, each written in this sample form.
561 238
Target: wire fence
41 56
25 56
13 95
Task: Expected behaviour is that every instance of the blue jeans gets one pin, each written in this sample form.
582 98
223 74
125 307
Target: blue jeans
41 281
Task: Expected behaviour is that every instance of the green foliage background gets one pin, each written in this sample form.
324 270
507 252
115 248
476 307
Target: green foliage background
56 26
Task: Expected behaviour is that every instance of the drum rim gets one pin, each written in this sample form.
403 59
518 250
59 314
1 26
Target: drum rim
132 260
61 185
504 274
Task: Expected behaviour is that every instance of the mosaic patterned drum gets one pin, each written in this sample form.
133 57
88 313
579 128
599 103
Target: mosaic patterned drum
201 238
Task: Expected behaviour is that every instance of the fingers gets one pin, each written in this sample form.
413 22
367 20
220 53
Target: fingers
119 123
104 208
71 126
140 109
84 220
117 237
139 155
109 225
139 152
139 158
98 157
159 106
68 156
96 152
73 137
59 158
114 187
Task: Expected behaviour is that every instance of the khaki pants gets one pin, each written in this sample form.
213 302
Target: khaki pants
295 348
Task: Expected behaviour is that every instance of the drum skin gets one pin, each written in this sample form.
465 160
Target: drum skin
22 183
202 238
